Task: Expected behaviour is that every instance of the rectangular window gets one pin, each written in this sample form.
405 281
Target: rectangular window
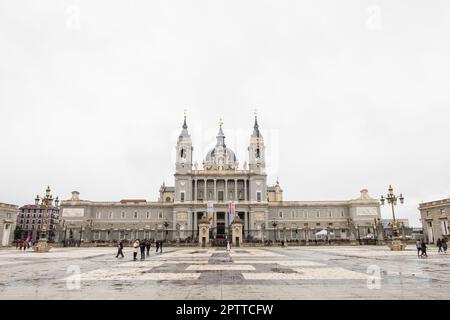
342 214
258 196
220 195
135 215
96 235
160 215
294 234
110 215
280 214
318 224
182 196
318 214
122 215
147 215
98 215
330 214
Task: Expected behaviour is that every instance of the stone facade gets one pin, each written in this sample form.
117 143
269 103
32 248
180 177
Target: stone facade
8 216
435 217
221 180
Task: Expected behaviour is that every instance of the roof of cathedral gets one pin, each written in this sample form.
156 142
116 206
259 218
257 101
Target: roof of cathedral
256 132
220 145
184 132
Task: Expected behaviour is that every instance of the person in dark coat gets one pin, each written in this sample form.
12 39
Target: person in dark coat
157 245
160 246
444 245
439 244
147 246
424 249
120 250
142 247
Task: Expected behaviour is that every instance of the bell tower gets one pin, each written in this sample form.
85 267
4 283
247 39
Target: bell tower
257 151
184 151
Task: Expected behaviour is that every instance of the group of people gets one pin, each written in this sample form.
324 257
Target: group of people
24 244
422 247
140 245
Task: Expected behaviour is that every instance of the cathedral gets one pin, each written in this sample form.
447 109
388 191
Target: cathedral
210 192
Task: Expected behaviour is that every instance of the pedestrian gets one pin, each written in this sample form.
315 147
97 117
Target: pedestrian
157 245
160 246
120 249
147 246
424 249
142 247
419 247
444 245
228 247
20 244
439 245
135 249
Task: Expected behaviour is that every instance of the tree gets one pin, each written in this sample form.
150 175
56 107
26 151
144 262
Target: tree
18 233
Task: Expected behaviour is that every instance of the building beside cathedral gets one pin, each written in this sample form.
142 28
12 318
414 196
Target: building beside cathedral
175 215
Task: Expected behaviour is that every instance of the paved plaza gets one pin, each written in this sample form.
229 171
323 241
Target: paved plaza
346 272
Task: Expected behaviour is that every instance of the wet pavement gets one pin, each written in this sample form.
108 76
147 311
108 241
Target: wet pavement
346 272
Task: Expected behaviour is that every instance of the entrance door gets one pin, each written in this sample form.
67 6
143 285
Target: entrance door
6 233
220 230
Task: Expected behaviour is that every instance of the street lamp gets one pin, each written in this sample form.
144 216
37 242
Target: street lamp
274 224
396 244
46 202
392 200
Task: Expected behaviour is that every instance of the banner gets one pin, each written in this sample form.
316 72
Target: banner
210 212
231 211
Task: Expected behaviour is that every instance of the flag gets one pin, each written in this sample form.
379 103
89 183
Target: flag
231 211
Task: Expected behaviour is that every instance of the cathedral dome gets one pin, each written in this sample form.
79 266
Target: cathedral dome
227 153
220 157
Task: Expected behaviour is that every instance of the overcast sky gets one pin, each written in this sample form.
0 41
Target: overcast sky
349 94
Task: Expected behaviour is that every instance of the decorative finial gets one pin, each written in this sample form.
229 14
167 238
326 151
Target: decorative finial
256 126
184 123
220 122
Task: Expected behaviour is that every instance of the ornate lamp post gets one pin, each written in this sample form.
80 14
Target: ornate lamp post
396 244
46 202
166 225
178 226
263 231
274 224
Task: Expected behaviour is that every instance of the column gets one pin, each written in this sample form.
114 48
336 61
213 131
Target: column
226 190
215 190
205 196
245 189
235 190
195 189
195 222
